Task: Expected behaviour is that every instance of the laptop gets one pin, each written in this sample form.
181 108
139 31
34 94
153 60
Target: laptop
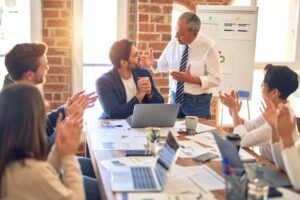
227 150
153 115
146 179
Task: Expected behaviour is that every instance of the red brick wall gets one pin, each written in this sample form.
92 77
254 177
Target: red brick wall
57 33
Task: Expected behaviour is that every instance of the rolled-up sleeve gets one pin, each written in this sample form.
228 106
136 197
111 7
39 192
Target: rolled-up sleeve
213 70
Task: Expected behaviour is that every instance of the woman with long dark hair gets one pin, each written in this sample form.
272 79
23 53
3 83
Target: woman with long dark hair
25 170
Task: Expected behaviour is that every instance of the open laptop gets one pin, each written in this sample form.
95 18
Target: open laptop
155 115
227 150
146 179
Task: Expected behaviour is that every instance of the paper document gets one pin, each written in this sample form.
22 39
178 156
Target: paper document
190 149
158 196
180 127
207 178
204 138
116 139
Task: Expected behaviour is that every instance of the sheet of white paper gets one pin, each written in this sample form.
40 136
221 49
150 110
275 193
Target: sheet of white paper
180 127
116 139
287 194
190 149
204 138
122 124
207 179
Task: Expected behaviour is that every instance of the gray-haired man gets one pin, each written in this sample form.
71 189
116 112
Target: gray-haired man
193 62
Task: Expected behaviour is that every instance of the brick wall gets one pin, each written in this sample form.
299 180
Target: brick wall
57 34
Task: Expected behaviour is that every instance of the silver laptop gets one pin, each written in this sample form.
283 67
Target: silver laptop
146 179
155 115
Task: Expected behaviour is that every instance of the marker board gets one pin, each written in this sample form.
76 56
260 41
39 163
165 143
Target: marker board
233 28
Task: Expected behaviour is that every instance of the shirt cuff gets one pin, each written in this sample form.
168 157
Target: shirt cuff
204 81
241 130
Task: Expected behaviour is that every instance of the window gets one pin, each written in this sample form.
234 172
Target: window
277 29
19 12
102 24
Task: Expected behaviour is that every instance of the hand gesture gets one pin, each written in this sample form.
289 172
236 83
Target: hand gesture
184 76
269 112
231 101
80 101
144 85
147 60
68 134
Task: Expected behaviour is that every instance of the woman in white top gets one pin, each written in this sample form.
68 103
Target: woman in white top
279 82
25 170
283 125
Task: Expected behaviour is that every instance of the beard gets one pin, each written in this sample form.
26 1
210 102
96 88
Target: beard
132 65
40 79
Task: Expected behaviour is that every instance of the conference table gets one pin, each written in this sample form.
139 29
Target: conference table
103 175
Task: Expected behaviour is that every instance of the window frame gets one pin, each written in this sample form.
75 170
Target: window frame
77 50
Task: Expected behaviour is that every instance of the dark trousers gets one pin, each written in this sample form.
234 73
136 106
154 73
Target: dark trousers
89 179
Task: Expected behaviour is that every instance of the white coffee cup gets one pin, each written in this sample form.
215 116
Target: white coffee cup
191 124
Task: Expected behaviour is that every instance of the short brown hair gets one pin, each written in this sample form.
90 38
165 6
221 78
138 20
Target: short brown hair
120 50
24 57
22 125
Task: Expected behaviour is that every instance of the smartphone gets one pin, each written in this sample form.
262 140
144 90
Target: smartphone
137 153
205 157
273 192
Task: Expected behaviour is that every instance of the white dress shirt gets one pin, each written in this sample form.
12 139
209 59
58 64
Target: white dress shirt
258 132
203 58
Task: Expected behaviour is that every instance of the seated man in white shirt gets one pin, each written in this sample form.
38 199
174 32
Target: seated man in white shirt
283 125
279 82
193 61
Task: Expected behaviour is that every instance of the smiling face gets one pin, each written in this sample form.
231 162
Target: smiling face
183 34
40 75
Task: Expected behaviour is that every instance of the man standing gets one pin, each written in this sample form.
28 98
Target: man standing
193 63
126 84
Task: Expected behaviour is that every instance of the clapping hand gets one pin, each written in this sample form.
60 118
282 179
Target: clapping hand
68 134
231 101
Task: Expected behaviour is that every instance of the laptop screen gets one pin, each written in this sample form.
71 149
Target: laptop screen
168 152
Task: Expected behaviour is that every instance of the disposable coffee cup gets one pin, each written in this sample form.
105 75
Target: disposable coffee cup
234 139
191 124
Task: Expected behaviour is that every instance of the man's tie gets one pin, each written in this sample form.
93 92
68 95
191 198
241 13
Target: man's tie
180 85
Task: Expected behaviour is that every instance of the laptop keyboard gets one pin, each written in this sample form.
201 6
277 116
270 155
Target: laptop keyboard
143 178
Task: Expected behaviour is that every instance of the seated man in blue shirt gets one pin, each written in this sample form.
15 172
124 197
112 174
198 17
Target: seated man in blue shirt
126 84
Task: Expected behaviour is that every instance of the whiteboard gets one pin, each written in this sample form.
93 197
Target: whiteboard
233 29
